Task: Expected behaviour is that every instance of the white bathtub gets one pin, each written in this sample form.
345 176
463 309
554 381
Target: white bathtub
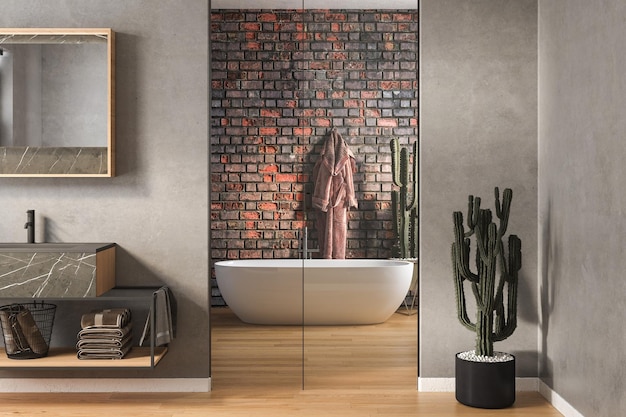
334 292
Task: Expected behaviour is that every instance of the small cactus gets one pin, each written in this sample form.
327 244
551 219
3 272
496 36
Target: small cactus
493 322
404 201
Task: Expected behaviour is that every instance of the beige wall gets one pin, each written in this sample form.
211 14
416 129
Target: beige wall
478 118
156 208
582 97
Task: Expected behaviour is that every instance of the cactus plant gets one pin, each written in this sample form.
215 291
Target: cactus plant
404 200
495 270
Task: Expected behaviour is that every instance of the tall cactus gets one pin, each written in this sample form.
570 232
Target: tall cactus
404 200
493 322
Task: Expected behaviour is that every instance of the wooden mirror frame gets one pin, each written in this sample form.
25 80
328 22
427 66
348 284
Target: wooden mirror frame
55 35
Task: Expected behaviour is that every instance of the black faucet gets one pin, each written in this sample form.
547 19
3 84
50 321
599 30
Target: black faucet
30 225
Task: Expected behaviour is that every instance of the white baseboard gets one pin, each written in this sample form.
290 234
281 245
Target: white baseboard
557 401
105 385
435 384
448 384
521 384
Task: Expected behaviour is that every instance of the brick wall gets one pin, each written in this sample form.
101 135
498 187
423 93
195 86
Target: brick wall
280 81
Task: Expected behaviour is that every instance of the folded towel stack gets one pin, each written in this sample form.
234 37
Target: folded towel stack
105 334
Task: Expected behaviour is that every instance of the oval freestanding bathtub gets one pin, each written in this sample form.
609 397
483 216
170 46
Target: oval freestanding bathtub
314 291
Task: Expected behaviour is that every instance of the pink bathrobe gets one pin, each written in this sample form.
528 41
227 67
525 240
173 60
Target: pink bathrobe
333 195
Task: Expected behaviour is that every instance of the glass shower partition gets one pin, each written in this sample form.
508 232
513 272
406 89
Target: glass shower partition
254 185
359 79
282 81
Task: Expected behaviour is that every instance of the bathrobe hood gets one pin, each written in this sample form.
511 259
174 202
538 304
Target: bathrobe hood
332 175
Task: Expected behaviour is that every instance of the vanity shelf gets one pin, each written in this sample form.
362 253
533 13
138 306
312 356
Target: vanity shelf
138 357
66 357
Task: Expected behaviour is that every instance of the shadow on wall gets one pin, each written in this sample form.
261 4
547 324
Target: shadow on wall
549 252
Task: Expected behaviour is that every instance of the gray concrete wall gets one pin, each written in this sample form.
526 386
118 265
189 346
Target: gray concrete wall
582 86
478 130
156 208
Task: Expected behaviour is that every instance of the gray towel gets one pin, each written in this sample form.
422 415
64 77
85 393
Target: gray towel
164 332
21 333
104 352
113 317
11 339
104 332
31 332
104 343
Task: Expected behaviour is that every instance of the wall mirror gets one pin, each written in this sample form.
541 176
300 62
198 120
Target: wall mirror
57 102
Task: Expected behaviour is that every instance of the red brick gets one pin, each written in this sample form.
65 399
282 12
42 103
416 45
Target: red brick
250 26
403 17
251 234
270 113
234 187
387 122
338 56
321 122
268 206
352 103
320 65
250 215
286 177
268 168
231 206
283 196
303 131
300 36
252 46
249 254
267 17
250 196
339 17
267 149
390 85
355 121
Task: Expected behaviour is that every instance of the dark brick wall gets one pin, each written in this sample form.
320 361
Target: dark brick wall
280 81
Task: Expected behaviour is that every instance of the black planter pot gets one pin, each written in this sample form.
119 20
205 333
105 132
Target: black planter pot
485 384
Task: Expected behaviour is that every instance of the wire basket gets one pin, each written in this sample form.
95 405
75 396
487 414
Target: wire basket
27 329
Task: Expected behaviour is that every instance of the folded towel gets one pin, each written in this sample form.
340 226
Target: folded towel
104 353
104 343
104 332
114 317
163 319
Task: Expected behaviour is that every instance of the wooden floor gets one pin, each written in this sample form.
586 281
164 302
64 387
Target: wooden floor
256 373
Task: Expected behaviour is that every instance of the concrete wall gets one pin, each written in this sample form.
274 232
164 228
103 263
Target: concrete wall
582 96
156 208
478 130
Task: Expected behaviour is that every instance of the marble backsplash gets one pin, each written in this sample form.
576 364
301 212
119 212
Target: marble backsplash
42 160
